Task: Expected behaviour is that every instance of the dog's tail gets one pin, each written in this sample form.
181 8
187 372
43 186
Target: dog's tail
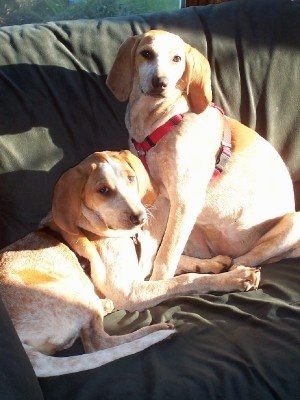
44 365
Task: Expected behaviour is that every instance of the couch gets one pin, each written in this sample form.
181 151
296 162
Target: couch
56 109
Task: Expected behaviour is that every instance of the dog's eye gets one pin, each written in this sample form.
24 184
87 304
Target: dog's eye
176 59
147 54
131 178
103 190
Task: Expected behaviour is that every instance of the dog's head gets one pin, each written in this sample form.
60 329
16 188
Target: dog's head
108 188
161 64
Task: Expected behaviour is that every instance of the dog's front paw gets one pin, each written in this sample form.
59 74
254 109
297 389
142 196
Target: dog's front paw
246 278
213 265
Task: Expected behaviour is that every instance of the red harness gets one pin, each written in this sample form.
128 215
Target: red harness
150 141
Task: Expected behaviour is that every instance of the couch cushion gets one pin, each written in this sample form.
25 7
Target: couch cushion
17 379
229 346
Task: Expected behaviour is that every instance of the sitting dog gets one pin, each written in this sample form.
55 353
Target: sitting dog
224 190
50 299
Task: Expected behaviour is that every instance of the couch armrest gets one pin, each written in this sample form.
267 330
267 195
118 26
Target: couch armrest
17 378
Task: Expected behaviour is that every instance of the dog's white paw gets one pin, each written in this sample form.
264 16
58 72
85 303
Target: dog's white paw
245 278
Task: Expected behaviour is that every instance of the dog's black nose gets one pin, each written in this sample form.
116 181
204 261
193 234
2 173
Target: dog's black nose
138 219
159 82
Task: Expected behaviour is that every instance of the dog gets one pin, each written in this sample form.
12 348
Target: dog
97 217
101 209
224 190
50 299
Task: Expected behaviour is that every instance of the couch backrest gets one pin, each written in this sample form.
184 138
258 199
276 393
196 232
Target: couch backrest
55 108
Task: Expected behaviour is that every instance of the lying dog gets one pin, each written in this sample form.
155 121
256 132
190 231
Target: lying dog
223 189
98 210
49 297
97 215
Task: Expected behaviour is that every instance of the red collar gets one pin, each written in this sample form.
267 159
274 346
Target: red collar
151 140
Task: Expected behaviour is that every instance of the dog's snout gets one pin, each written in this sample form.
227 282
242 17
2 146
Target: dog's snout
138 218
159 82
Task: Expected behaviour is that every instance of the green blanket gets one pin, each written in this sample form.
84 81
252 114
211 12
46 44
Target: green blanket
55 110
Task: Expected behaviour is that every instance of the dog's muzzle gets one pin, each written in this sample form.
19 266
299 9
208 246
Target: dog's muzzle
138 218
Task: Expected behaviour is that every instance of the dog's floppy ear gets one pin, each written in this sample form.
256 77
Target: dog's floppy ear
197 80
146 186
66 202
120 77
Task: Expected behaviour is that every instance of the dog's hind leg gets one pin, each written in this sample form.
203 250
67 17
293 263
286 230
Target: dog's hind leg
95 338
282 241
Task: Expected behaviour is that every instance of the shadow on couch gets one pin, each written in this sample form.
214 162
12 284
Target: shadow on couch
54 117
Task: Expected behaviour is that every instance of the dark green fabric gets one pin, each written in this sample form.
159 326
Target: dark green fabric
55 109
230 346
17 379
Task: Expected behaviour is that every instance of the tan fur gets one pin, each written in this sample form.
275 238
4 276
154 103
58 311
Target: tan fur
248 213
49 297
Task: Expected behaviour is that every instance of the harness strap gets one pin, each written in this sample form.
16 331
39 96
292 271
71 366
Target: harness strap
225 149
151 140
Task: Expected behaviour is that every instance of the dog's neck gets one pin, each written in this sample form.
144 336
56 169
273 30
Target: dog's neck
146 113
